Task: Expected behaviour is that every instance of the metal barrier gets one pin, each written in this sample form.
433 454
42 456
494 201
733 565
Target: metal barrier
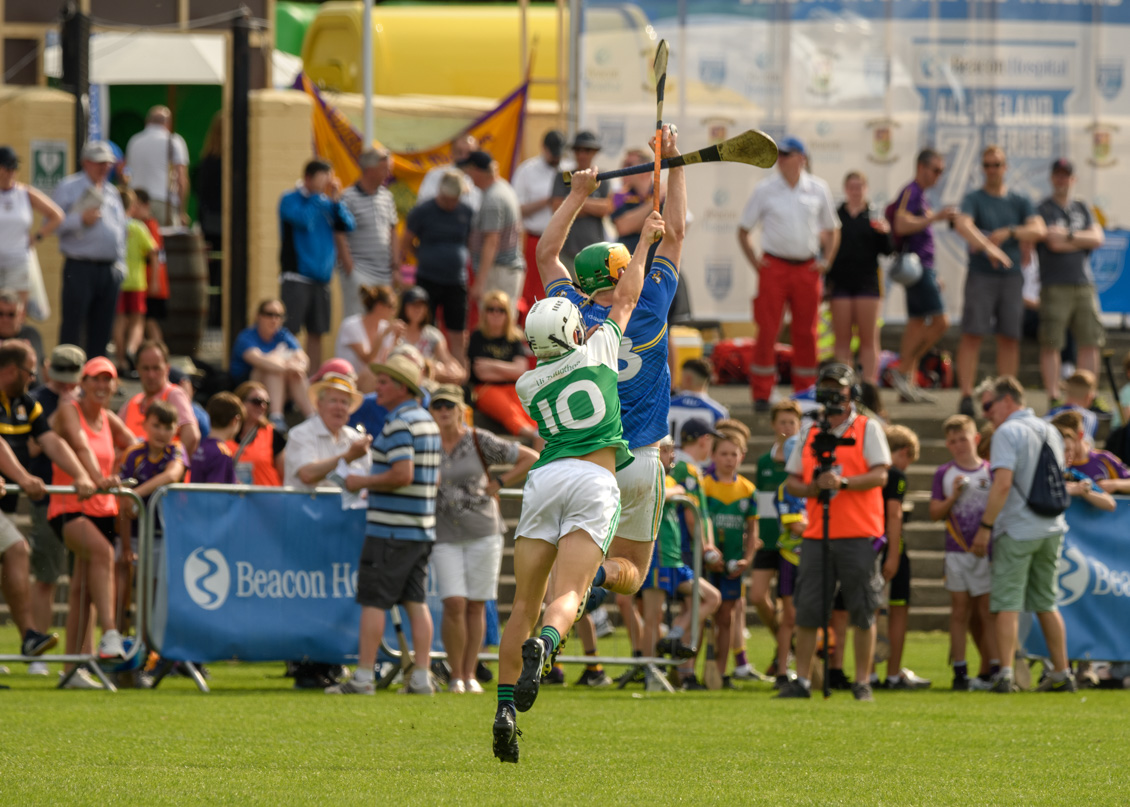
83 660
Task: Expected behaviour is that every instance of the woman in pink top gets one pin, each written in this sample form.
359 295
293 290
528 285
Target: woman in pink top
88 526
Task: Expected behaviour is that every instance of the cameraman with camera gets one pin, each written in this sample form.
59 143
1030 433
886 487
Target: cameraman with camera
840 468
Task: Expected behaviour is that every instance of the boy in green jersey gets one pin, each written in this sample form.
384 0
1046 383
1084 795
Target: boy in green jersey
571 502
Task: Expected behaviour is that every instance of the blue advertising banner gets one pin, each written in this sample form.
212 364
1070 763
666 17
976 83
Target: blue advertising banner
1094 586
1108 263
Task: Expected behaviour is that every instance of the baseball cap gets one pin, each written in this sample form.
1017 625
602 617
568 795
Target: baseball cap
338 366
1063 165
99 365
554 142
98 151
586 140
478 159
695 428
8 158
791 144
837 373
415 294
65 364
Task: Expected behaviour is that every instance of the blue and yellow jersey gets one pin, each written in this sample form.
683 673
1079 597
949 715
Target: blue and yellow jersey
644 377
790 510
732 505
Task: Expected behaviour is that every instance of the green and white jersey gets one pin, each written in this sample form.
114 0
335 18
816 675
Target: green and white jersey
574 400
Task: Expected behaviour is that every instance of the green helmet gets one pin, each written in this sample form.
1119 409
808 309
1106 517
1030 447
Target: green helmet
599 265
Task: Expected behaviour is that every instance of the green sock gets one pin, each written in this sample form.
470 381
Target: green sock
505 694
551 637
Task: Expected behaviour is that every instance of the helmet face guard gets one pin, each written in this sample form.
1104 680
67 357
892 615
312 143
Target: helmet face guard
599 266
554 327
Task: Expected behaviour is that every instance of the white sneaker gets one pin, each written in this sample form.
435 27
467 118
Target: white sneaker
474 687
419 683
82 680
37 668
353 687
979 684
456 686
111 646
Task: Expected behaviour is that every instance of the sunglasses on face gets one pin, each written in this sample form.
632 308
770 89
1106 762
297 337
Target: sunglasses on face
272 314
987 405
493 310
991 165
258 402
443 404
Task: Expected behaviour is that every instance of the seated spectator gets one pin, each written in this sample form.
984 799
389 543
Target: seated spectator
156 385
268 353
213 462
467 557
258 449
497 355
693 399
1102 467
361 337
13 323
187 382
1079 484
413 326
1079 395
317 446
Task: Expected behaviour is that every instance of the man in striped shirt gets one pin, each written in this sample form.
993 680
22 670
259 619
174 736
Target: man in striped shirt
400 525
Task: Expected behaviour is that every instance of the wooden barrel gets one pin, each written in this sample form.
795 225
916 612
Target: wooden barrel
187 262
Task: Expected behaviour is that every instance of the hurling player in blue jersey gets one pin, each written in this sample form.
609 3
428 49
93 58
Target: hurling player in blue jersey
644 379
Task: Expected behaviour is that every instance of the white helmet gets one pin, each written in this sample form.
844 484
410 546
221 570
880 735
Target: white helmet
553 327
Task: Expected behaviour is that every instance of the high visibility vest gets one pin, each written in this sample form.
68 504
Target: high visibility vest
256 464
851 513
135 418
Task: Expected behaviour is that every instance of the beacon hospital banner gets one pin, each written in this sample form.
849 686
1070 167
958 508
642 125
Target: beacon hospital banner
866 85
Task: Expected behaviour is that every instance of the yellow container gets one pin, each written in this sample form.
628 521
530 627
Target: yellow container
688 344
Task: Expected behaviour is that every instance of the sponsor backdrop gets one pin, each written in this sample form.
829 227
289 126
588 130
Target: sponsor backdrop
1094 586
866 85
283 589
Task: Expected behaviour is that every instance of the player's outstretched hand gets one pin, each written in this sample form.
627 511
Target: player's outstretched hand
584 182
670 141
653 228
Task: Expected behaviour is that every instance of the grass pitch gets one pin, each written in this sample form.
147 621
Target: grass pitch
254 741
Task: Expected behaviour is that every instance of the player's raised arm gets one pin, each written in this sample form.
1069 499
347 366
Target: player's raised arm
553 238
630 284
675 208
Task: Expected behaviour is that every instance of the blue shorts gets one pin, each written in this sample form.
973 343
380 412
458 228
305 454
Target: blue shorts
924 298
668 579
729 587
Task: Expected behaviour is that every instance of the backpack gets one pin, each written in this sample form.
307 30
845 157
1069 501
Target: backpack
1048 494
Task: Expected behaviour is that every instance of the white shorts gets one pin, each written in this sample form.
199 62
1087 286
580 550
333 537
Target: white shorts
10 534
15 276
967 572
567 495
641 495
468 569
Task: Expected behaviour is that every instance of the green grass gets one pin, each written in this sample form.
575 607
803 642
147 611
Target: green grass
254 741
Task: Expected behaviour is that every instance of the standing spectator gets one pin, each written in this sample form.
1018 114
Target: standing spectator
588 226
269 353
692 399
210 211
367 253
18 205
468 553
632 204
153 370
400 525
259 450
157 271
361 337
158 164
1067 285
855 521
213 462
496 234
141 260
994 221
442 228
1026 545
461 148
413 326
926 320
533 183
497 356
92 239
13 324
854 278
309 217
800 234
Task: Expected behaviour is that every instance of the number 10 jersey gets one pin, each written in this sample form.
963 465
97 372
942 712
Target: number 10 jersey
574 400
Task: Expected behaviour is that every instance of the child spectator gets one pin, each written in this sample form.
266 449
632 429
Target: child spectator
141 258
896 563
1079 395
157 284
1081 477
154 463
784 418
732 503
792 516
959 495
213 461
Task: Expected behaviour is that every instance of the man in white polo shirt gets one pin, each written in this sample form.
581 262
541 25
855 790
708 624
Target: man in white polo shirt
149 155
800 233
533 182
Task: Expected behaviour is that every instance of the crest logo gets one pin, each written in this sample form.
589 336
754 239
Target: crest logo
1106 261
1108 78
882 141
721 197
1102 139
719 278
820 79
712 72
207 578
